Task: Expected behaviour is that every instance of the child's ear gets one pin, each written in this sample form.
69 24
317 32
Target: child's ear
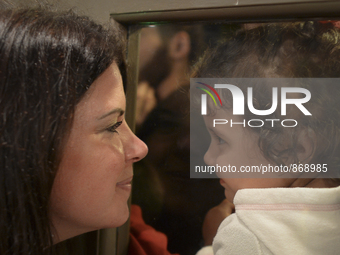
306 145
179 46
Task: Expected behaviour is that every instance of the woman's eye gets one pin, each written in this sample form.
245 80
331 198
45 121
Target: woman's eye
114 127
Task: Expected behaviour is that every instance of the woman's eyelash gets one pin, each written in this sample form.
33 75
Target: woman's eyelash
114 127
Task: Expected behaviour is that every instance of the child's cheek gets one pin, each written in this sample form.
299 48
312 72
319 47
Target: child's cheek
229 190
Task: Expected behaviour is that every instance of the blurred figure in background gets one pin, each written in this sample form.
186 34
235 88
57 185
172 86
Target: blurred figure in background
166 54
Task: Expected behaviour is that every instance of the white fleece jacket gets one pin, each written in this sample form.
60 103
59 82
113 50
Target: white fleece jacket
282 221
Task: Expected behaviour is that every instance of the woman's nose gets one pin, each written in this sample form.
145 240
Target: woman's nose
135 149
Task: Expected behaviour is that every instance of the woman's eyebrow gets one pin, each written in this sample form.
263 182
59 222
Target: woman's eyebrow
114 111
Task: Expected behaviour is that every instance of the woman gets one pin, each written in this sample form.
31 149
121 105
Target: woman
66 151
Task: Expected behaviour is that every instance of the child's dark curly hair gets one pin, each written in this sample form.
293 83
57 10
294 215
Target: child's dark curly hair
294 50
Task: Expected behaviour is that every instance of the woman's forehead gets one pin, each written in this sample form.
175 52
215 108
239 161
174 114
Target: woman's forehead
105 94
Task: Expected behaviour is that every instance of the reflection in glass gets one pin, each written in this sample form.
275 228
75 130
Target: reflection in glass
172 202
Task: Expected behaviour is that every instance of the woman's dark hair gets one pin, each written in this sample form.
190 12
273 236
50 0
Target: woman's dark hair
48 60
285 50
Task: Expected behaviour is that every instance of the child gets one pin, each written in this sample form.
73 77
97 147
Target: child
287 214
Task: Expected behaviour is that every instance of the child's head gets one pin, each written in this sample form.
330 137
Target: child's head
299 50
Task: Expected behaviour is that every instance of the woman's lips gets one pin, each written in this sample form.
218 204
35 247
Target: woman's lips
125 184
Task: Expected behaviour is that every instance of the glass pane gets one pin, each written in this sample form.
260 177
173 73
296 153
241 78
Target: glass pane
172 202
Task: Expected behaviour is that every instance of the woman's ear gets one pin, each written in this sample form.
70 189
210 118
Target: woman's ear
306 144
179 46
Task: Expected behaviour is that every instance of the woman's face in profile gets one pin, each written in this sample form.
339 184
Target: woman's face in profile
93 182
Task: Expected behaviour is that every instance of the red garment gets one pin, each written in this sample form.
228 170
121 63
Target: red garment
336 23
145 240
